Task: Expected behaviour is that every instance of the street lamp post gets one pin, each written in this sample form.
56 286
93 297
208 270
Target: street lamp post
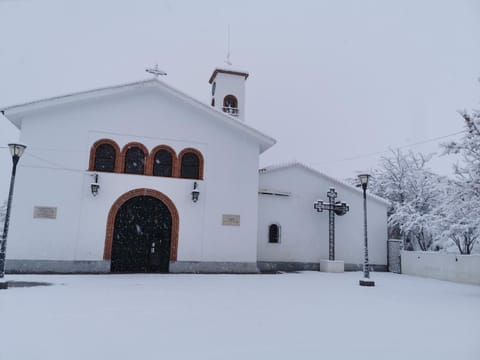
366 270
16 150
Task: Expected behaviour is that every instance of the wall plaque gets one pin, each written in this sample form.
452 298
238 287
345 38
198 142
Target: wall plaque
231 220
44 212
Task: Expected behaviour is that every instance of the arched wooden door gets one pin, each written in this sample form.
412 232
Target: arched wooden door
142 236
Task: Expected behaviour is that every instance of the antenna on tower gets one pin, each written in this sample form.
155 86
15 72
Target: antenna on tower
227 60
155 71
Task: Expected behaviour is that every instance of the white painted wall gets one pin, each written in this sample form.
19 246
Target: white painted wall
53 173
442 266
304 231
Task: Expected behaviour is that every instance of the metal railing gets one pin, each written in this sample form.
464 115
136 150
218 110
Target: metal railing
231 110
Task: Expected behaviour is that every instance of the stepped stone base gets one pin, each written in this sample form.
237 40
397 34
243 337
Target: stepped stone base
332 266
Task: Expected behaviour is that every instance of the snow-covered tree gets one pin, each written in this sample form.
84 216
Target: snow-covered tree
458 218
468 171
461 208
414 193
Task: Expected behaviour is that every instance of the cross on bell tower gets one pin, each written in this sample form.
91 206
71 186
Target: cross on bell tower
155 71
334 208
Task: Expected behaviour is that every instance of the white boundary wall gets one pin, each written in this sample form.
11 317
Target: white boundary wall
442 266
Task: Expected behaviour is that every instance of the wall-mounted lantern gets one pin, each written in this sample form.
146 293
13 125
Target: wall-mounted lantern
94 186
195 192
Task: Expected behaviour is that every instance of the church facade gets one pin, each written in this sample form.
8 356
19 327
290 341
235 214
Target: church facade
144 178
286 196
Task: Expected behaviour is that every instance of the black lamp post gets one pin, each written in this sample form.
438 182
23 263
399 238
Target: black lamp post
366 270
16 150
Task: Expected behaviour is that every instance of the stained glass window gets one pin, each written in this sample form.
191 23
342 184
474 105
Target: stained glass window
190 166
134 161
162 163
105 157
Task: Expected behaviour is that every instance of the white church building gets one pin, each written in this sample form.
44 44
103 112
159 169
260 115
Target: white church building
142 177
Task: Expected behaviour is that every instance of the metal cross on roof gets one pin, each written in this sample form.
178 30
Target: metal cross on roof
227 60
334 208
155 71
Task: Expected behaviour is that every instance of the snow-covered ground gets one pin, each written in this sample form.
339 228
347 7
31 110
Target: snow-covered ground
286 316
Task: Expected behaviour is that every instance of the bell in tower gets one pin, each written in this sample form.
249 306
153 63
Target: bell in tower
228 91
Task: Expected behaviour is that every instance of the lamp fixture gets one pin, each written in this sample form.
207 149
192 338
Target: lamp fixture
195 192
364 180
16 149
94 186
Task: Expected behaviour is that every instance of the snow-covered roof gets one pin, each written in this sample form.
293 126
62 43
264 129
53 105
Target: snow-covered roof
227 71
318 173
15 113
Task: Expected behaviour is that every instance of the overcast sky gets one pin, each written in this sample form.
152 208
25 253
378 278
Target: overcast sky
330 80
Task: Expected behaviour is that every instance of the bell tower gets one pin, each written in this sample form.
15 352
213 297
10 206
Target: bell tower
228 91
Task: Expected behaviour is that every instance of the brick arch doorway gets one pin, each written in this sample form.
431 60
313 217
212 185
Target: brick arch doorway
140 224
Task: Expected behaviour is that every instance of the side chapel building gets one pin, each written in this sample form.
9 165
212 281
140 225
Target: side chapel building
142 177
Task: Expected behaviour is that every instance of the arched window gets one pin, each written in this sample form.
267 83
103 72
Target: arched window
134 159
230 105
104 156
274 233
163 163
191 164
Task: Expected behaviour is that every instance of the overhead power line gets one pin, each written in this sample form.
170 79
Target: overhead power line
426 141
54 166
